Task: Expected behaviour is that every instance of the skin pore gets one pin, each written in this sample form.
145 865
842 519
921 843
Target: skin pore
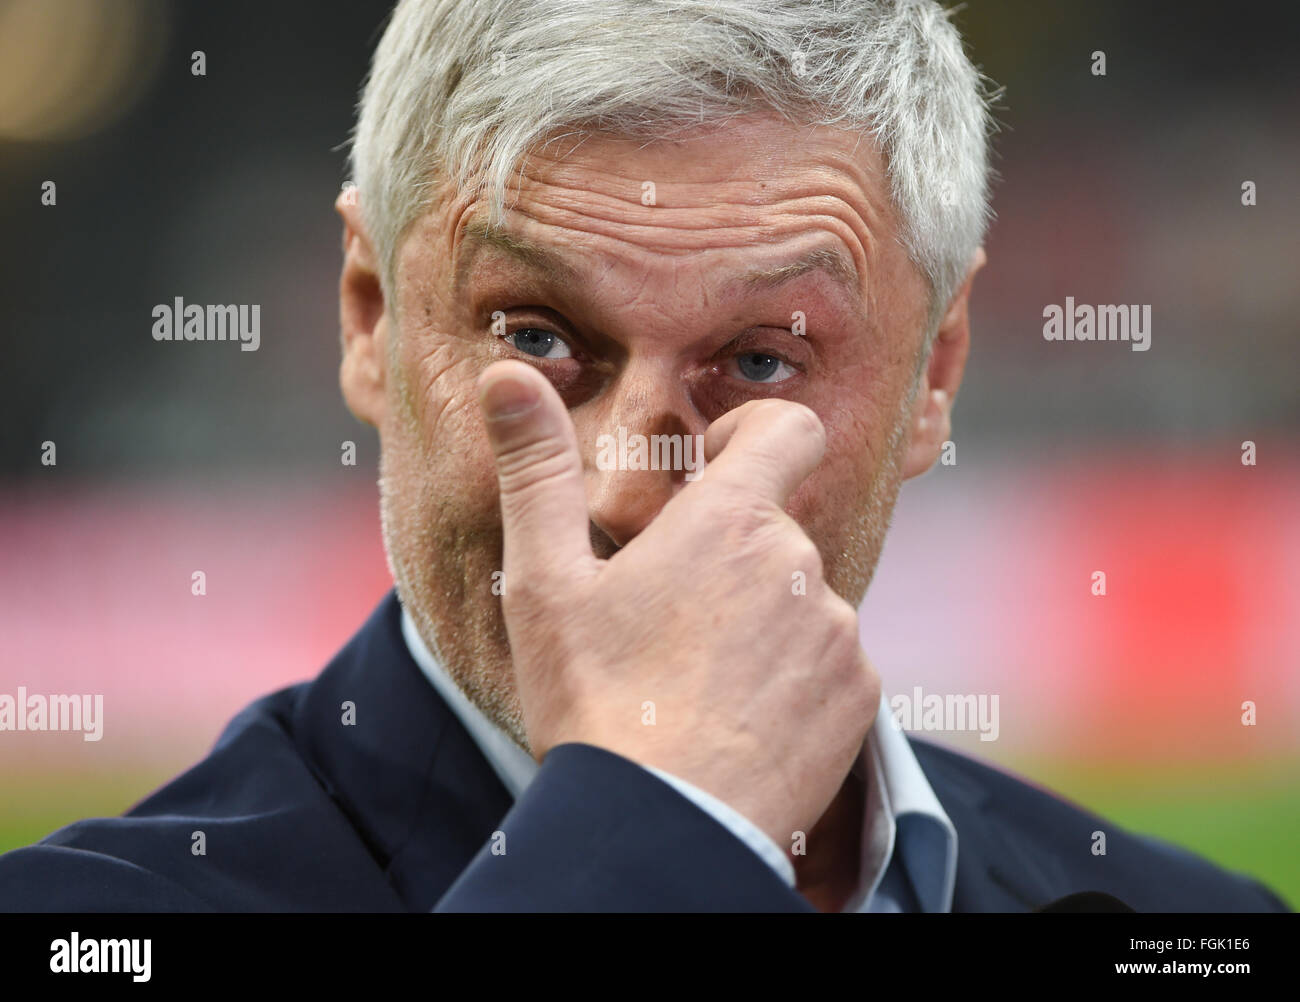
659 319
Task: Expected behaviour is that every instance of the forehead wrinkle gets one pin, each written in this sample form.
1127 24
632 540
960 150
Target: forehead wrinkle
705 227
554 265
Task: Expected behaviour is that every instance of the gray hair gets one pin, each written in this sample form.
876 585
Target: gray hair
461 90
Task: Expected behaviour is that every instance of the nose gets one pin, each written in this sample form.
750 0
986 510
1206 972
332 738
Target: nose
643 448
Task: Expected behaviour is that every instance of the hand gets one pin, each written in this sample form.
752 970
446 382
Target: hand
761 697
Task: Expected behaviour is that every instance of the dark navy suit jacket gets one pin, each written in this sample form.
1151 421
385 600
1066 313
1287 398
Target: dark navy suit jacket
396 812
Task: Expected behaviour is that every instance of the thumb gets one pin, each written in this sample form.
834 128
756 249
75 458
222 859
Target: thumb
544 517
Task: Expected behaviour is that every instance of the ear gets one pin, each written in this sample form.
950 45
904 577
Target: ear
932 408
363 318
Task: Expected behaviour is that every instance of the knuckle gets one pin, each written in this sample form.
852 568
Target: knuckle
867 672
807 556
524 593
871 689
534 467
846 621
794 551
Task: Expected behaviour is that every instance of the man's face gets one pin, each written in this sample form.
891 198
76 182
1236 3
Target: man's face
656 318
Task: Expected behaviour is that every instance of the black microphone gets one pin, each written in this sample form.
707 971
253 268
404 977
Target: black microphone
1086 901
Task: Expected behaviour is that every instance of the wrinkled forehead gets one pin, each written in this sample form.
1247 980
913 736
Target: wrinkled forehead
758 200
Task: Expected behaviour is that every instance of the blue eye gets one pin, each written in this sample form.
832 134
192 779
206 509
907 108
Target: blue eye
539 343
760 368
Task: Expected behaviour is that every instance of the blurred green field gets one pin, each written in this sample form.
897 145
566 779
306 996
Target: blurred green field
35 804
1246 822
1246 819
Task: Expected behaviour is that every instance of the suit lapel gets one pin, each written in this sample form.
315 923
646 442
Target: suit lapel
996 870
406 773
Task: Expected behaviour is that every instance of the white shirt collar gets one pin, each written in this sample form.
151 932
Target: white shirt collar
513 766
902 808
901 805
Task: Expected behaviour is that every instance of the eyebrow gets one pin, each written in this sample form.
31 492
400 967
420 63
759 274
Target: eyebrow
824 259
481 234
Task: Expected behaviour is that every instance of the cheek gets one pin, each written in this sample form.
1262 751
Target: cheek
444 445
828 500
861 406
858 413
858 427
